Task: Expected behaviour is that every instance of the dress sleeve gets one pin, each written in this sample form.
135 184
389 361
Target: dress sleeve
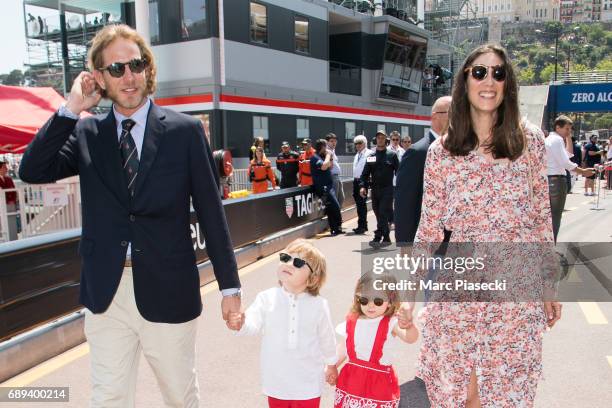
431 228
540 201
341 329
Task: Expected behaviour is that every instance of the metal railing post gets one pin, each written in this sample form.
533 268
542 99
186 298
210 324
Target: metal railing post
4 227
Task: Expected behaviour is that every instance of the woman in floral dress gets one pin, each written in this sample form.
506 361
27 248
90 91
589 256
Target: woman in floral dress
485 181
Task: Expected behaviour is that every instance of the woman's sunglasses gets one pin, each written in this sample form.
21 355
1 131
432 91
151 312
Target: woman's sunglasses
297 262
363 301
480 72
117 69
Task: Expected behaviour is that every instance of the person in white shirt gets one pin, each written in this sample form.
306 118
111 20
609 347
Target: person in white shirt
394 146
298 349
558 160
361 145
373 337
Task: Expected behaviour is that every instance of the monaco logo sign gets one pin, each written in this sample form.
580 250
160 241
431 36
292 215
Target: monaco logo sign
289 206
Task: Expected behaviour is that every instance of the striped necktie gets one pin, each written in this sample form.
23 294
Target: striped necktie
129 154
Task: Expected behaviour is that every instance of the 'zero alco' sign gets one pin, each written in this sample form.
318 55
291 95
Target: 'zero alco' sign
596 97
591 97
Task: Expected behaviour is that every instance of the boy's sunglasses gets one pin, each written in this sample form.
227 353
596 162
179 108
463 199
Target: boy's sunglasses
363 301
297 262
117 69
480 72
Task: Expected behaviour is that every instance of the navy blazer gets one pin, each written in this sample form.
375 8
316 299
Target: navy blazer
409 190
176 165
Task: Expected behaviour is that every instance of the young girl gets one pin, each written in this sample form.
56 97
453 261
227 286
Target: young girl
298 336
372 337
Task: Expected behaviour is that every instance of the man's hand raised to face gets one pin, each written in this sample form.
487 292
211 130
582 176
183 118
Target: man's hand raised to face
83 95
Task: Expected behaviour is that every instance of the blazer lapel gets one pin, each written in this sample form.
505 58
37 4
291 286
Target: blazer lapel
154 132
432 138
106 158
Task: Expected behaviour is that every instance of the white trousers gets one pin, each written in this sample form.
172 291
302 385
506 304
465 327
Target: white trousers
116 339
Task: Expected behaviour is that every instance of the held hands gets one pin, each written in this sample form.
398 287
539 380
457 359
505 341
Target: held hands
363 192
83 94
553 312
404 315
331 374
230 307
235 321
588 172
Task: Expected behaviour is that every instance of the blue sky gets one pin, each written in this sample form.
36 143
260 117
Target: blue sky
12 45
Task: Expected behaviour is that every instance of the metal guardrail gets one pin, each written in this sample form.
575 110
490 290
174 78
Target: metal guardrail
34 216
240 178
584 77
41 209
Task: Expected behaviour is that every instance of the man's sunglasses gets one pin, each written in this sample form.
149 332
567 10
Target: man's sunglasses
395 140
117 69
297 262
363 301
480 72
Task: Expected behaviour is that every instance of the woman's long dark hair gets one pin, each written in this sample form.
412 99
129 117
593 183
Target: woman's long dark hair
508 139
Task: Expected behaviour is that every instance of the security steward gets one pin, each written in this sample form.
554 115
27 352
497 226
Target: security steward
260 171
304 165
377 176
287 163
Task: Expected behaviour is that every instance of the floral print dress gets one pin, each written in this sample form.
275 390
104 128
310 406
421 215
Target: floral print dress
484 201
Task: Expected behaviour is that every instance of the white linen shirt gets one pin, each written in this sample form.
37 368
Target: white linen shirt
359 162
365 334
298 341
557 156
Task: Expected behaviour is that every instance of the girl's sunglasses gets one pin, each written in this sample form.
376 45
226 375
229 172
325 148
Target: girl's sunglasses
117 69
297 262
363 301
480 72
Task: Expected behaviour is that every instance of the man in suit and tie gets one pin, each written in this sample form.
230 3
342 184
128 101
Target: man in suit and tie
409 182
139 167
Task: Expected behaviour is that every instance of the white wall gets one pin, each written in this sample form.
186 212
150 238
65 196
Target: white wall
184 60
264 66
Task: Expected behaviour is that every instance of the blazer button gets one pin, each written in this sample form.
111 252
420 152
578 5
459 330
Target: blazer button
124 243
132 217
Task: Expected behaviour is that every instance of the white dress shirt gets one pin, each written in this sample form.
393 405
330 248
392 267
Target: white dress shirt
335 170
437 136
557 156
365 334
397 150
359 162
298 341
138 130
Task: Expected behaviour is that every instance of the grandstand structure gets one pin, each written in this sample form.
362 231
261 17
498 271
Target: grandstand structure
456 23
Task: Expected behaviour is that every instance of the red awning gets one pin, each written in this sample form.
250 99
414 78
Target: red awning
23 111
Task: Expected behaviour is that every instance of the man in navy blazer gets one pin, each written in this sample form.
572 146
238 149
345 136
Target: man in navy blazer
140 168
409 181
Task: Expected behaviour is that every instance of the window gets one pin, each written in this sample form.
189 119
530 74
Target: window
301 34
193 19
260 129
405 131
303 129
350 131
259 23
154 21
403 66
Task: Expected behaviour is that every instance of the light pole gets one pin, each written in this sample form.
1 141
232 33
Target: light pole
556 34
